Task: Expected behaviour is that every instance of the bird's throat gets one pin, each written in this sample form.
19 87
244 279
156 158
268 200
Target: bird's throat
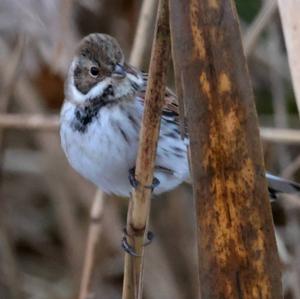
84 114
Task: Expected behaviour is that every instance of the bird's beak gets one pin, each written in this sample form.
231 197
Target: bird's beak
119 72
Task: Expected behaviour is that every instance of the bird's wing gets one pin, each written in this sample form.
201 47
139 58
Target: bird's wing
170 110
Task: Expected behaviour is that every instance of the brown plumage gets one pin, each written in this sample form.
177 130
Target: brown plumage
99 51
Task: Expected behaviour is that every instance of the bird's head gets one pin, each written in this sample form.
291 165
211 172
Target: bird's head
99 69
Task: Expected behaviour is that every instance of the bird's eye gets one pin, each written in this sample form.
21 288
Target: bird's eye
94 71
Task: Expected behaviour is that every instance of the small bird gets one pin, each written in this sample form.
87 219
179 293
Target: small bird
101 119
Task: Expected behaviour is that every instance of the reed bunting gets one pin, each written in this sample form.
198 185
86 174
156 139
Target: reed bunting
101 119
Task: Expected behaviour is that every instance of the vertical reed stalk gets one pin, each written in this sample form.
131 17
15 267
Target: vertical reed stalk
139 207
236 241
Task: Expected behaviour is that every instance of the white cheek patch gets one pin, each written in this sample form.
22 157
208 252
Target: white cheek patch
98 89
77 97
74 95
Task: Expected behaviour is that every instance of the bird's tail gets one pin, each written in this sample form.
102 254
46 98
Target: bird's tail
279 185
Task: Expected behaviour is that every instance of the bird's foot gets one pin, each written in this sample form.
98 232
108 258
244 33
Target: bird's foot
131 176
128 248
134 182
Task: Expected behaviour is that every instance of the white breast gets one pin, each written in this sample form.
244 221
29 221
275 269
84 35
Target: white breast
101 154
107 149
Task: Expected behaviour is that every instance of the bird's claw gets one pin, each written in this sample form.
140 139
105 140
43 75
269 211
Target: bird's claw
134 182
150 237
129 249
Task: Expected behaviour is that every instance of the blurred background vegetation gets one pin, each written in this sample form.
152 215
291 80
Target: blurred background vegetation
44 206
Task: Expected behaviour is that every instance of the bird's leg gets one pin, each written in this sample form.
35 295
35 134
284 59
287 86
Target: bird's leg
128 248
150 236
134 182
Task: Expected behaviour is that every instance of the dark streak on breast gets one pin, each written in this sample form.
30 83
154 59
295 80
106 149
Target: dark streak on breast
124 134
84 115
177 149
172 135
133 121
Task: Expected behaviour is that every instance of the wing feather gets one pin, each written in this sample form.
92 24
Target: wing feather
170 110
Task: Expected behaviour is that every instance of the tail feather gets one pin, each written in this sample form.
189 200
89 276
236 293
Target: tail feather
279 185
